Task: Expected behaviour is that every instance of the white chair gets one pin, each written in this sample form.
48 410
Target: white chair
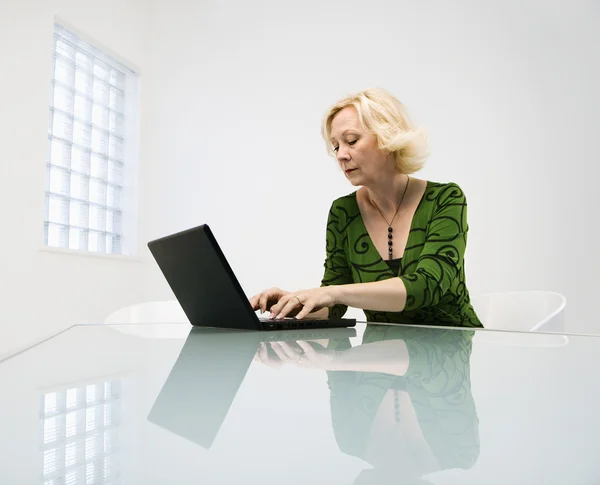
524 311
162 314
167 311
355 313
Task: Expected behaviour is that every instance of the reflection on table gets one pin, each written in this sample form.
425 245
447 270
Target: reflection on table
401 400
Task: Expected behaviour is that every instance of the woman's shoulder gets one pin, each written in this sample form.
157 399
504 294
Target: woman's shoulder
347 201
441 193
343 211
440 186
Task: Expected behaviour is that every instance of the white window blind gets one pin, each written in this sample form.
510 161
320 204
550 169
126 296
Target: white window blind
80 435
93 105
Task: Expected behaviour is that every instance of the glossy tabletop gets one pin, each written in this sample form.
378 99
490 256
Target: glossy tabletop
171 404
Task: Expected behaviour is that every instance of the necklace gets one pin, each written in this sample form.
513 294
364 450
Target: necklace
390 229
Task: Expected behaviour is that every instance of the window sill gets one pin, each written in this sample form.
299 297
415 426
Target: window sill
74 252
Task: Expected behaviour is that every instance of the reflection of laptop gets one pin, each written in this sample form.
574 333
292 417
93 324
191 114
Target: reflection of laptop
211 367
208 291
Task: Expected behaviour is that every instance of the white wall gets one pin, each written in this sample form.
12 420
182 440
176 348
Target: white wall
40 292
232 97
507 90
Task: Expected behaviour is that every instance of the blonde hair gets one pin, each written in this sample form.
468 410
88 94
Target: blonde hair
384 116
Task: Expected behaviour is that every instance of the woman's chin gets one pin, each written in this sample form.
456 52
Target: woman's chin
356 181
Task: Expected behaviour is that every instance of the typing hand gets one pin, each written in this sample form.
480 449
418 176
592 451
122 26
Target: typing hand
265 300
301 303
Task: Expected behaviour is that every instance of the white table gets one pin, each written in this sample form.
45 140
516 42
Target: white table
165 404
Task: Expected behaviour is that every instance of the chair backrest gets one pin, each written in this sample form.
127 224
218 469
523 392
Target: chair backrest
527 311
162 314
167 311
355 313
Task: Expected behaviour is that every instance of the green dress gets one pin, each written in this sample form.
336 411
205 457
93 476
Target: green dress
432 267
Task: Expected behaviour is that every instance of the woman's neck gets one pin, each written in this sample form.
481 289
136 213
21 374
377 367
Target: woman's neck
389 193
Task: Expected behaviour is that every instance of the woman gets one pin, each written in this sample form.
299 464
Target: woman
395 246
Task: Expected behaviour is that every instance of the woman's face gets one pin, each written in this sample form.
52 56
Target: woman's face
357 152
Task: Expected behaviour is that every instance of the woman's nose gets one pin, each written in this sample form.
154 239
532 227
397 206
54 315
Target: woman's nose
342 154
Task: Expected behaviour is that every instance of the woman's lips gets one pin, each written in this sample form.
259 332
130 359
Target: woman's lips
350 170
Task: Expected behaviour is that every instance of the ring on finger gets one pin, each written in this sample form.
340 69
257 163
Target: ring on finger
298 299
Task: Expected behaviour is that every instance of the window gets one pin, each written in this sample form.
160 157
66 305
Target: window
80 438
92 149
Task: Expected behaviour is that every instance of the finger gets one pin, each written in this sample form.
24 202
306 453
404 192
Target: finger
288 307
267 298
276 309
262 351
280 352
270 298
262 302
309 350
254 302
291 352
266 358
306 309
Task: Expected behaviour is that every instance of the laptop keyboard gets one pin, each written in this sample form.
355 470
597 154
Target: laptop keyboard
286 323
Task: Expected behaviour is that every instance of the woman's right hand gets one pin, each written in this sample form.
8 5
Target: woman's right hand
267 298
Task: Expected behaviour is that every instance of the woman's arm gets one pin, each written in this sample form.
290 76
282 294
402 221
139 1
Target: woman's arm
384 296
336 269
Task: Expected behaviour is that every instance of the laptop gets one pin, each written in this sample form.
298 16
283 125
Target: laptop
207 289
201 387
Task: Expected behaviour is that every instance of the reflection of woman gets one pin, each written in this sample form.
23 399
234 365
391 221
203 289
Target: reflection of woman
418 415
401 401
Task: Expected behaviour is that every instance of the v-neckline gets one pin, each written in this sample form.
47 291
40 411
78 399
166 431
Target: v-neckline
410 230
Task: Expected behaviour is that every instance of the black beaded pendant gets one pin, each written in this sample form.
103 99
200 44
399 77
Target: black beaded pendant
390 230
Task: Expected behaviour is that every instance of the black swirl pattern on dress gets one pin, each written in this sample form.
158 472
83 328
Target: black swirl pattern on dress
345 219
452 229
361 244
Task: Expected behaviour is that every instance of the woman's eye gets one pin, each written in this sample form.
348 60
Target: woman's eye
352 142
335 149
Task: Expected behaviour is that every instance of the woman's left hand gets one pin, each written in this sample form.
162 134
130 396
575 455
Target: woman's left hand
307 300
